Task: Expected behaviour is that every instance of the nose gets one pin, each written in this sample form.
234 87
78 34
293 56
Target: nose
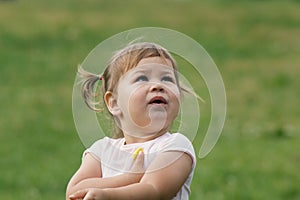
156 87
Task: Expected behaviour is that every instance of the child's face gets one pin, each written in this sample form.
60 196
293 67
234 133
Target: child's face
148 97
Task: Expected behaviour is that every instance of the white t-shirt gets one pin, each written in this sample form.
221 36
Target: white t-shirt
116 156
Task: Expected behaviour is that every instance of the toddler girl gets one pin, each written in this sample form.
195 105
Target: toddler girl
143 160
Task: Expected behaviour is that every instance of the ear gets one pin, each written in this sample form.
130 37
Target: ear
111 104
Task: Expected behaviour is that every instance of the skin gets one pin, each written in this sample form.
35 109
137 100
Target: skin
141 121
152 78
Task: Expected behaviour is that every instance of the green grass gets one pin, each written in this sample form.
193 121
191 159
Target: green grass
255 44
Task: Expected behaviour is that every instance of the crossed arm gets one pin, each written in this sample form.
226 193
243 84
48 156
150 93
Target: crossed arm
160 181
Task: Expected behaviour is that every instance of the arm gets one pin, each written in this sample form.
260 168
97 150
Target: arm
159 181
89 175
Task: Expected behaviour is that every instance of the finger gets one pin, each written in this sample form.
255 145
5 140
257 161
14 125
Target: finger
88 197
78 195
139 161
94 194
138 165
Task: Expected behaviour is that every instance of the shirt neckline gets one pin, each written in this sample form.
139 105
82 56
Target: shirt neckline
143 143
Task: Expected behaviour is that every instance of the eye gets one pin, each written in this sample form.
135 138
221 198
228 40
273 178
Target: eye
141 78
167 79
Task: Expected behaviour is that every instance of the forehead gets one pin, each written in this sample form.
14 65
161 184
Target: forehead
155 60
151 68
153 64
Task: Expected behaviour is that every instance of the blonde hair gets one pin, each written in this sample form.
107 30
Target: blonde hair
121 62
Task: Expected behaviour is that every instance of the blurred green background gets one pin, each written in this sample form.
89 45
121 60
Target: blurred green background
255 44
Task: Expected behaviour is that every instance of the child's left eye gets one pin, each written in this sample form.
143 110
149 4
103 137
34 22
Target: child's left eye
167 79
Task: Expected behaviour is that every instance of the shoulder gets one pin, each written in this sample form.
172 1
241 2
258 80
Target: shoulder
176 140
106 141
101 145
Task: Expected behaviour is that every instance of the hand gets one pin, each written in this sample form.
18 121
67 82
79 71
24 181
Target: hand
88 194
138 163
137 169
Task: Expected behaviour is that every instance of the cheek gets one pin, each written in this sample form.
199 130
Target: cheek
136 101
175 107
128 96
176 101
132 99
137 111
174 93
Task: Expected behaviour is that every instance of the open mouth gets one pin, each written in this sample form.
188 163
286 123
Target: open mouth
158 100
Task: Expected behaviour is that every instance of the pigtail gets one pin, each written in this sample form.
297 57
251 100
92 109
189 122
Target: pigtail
88 91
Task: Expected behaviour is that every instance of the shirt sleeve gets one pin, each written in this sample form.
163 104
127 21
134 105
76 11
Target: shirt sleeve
97 148
178 142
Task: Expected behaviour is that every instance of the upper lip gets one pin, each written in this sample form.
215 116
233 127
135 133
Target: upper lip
158 100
